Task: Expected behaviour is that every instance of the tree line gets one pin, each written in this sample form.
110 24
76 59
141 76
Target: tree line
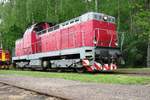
132 19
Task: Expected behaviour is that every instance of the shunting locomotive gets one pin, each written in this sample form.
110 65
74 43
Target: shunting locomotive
88 42
4 58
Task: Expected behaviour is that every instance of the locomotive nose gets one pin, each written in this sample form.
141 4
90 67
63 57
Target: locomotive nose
107 55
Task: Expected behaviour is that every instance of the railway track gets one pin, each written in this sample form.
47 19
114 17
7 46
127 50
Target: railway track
10 92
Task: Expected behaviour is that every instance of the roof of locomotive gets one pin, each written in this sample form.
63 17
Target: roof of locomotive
88 16
85 17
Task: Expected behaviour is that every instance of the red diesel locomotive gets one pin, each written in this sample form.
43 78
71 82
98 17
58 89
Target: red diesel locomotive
88 42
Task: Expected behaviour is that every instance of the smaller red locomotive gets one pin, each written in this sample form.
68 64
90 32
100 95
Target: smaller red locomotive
88 42
4 58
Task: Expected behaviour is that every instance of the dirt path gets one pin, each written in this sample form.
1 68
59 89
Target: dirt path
8 92
75 90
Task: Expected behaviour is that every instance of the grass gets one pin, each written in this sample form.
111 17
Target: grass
138 70
95 78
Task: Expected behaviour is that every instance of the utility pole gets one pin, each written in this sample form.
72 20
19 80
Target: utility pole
148 54
96 5
87 4
118 28
1 45
148 49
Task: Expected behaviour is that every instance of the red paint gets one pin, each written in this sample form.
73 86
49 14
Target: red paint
75 36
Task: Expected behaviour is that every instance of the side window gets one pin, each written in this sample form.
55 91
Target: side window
63 24
50 29
113 20
76 20
100 17
71 21
56 27
67 23
109 19
95 16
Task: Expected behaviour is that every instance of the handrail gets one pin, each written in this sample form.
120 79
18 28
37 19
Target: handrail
37 45
108 31
111 38
48 29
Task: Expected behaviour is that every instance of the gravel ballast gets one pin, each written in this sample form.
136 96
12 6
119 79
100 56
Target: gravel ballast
76 90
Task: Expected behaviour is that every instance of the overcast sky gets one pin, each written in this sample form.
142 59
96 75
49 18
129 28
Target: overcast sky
3 0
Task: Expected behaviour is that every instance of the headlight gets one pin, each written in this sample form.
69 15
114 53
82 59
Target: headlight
116 44
105 18
95 42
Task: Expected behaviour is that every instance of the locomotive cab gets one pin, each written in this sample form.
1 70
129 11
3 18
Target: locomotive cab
42 27
105 41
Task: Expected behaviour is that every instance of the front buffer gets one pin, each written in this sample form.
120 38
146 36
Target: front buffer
104 59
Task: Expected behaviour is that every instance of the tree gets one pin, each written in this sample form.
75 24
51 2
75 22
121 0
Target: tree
132 17
143 27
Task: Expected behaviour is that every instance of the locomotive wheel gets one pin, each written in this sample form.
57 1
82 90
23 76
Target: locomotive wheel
59 70
80 70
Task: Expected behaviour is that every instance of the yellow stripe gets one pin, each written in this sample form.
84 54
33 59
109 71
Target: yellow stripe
3 56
